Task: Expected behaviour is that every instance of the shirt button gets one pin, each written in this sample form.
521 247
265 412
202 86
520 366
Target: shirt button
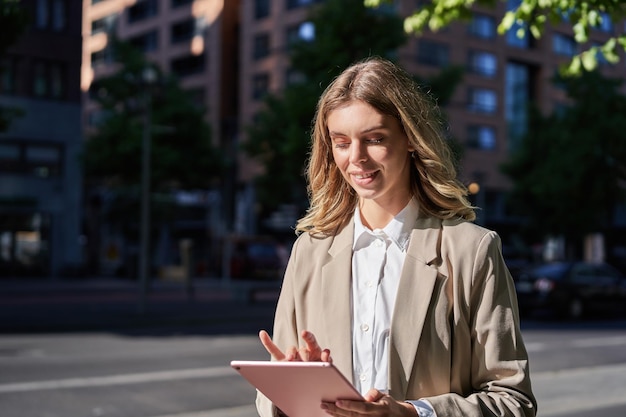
365 327
378 243
363 377
370 284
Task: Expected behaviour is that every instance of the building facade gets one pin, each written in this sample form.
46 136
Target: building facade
40 175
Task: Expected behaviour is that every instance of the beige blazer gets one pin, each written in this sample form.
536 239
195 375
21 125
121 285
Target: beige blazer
455 339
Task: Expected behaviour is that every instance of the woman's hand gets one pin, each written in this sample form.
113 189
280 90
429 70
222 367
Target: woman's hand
376 404
311 352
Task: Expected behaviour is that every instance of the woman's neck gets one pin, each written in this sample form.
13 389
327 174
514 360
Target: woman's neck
377 216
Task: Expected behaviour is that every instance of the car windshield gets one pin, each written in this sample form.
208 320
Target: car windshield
552 271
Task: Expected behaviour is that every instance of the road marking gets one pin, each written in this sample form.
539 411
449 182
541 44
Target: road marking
578 343
579 389
239 411
99 381
600 341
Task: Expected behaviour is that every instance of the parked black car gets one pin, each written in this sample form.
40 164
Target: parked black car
571 289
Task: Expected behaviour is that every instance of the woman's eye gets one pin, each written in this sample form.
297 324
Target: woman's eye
341 145
375 141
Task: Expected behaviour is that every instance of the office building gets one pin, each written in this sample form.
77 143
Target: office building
40 175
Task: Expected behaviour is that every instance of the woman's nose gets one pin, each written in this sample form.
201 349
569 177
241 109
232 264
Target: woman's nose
358 153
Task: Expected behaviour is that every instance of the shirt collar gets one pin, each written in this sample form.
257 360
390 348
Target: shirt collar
398 229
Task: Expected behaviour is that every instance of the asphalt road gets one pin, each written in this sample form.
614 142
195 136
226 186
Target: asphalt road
91 352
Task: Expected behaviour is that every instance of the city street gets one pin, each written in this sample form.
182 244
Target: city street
174 361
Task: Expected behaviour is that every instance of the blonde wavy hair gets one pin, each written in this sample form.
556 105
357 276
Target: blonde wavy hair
390 90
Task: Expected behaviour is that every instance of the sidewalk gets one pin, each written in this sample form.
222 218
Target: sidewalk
110 304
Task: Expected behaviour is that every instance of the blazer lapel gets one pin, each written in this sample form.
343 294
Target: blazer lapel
336 309
417 281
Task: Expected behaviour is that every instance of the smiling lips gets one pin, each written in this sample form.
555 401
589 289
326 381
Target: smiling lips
363 178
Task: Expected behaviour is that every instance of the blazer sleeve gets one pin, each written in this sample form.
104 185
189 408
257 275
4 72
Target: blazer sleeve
285 332
499 369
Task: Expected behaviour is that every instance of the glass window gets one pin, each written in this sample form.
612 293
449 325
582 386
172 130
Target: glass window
432 53
517 97
261 46
483 63
292 4
8 75
183 31
101 57
105 24
147 42
40 81
57 80
9 152
179 3
606 24
59 19
513 37
483 26
261 8
600 56
43 160
481 137
188 65
482 100
42 14
563 45
260 85
143 9
305 31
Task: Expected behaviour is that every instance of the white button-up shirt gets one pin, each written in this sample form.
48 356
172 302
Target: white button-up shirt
377 259
378 256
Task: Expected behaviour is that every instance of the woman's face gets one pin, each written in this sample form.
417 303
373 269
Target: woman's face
372 153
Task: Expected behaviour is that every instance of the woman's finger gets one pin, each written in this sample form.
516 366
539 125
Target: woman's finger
269 345
315 351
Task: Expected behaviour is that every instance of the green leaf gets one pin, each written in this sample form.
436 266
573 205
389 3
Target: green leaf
589 59
507 22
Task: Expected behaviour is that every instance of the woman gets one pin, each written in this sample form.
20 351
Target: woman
389 277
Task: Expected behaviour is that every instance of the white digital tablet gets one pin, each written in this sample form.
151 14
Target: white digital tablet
298 388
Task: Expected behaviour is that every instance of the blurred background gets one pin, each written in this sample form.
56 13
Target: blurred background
140 134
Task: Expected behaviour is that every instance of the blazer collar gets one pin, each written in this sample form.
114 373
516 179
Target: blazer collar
416 288
336 305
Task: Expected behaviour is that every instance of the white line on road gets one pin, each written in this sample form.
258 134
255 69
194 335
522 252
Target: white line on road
240 411
578 343
99 381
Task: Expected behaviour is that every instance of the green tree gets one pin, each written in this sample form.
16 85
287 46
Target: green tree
569 171
182 153
280 135
581 15
13 21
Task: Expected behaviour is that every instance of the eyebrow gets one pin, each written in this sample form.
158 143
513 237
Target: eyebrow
368 130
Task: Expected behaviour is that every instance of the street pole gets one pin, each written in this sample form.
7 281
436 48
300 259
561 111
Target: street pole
144 254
